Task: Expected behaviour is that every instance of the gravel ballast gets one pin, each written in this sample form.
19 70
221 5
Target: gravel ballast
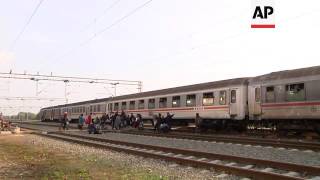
171 170
268 153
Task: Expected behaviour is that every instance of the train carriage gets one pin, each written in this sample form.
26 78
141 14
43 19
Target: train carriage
284 100
289 99
220 100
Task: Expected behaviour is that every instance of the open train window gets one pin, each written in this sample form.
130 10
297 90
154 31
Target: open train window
176 101
162 102
222 97
191 100
233 96
270 96
123 105
257 94
141 104
116 106
132 105
295 92
208 99
151 104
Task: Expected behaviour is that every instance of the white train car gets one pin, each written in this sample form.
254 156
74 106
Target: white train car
287 99
220 100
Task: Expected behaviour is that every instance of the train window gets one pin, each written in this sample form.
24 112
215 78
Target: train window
90 108
191 100
132 105
116 106
222 97
151 104
99 108
295 92
123 105
94 108
141 104
233 96
270 97
176 101
162 102
208 99
257 94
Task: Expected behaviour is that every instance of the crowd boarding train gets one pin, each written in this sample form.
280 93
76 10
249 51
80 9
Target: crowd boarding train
284 100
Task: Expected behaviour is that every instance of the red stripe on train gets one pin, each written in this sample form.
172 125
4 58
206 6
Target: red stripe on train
180 109
292 104
216 107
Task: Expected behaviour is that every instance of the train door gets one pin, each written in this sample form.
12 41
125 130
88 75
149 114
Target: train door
233 101
257 101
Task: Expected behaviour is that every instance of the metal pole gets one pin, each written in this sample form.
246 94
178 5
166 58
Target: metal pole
115 88
37 87
140 86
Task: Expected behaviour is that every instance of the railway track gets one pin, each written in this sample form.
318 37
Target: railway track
290 144
241 166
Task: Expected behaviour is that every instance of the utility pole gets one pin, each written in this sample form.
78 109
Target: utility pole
115 88
140 86
65 90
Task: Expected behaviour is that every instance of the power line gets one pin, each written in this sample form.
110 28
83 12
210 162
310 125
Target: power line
30 98
95 35
25 26
104 11
66 77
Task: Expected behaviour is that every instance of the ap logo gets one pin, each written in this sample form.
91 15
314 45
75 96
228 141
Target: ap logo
262 14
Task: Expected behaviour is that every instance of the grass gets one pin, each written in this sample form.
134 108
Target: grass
23 161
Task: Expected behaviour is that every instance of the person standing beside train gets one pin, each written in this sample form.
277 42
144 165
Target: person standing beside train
117 121
168 119
81 121
198 122
65 121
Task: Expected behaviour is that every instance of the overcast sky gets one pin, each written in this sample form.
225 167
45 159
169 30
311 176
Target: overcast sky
166 43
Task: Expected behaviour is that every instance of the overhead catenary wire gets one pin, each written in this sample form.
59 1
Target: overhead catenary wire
105 11
95 35
26 25
68 77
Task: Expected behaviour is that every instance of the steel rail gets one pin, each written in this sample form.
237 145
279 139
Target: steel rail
241 140
149 152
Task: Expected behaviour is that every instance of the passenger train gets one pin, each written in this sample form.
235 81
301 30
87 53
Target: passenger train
284 100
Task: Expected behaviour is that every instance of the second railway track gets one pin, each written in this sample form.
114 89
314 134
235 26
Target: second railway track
293 144
242 166
253 168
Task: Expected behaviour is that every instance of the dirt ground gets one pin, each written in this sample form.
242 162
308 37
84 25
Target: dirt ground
19 159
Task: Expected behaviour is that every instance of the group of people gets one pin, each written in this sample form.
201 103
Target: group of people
117 121
163 124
